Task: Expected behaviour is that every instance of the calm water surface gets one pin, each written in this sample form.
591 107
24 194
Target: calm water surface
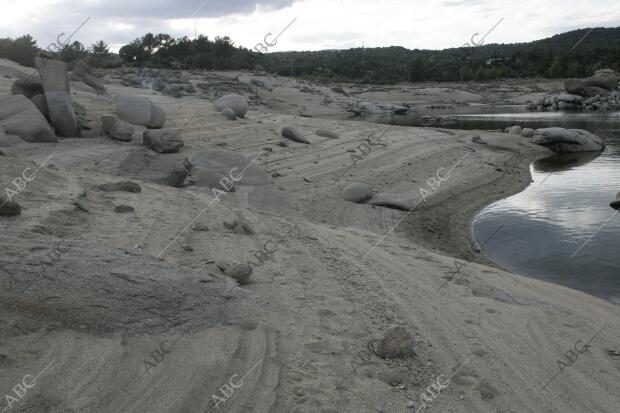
560 228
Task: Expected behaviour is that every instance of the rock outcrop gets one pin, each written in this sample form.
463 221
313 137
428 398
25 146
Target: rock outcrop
599 91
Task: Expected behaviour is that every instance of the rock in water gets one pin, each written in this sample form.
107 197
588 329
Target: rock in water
53 75
139 111
116 128
8 208
237 103
162 140
616 204
240 272
27 87
293 135
356 192
397 343
568 140
19 116
327 134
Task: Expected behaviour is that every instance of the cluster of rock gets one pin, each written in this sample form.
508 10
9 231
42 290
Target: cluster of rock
364 109
40 110
561 140
599 91
361 193
131 111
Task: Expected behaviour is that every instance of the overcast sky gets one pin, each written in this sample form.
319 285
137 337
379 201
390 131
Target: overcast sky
319 24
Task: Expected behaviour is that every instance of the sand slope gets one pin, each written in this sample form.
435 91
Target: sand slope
164 331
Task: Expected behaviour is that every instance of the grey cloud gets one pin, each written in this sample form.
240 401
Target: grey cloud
179 9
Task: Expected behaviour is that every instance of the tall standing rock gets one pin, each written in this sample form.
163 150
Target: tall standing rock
53 75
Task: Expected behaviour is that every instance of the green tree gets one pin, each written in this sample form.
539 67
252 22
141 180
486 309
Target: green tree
100 49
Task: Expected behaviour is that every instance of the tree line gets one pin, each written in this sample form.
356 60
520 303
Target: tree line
565 55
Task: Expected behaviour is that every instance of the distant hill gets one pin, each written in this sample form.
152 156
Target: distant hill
562 55
558 56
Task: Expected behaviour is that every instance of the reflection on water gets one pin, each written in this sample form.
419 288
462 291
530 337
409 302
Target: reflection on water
561 228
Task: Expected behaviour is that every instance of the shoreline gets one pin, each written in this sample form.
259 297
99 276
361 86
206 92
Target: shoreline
307 325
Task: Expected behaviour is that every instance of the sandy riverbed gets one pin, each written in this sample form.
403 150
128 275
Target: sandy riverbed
142 333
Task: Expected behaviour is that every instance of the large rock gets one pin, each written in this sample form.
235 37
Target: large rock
27 87
568 140
616 204
293 135
19 116
230 163
356 192
235 102
53 75
139 111
116 128
162 140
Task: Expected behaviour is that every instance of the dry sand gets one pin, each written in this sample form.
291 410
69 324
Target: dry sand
166 331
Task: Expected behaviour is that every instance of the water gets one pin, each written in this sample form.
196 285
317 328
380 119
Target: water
560 228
